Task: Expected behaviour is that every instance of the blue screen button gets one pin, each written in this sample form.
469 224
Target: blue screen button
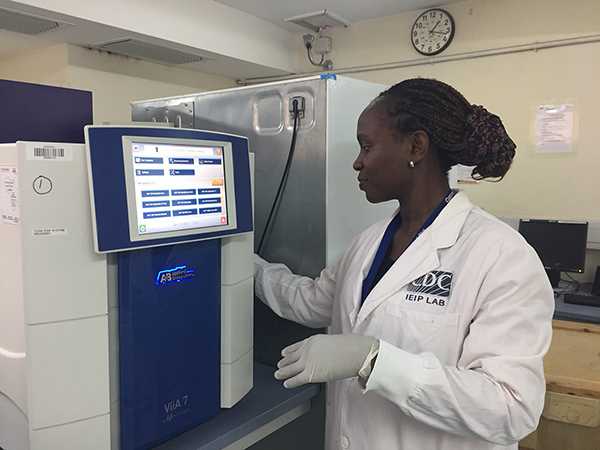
149 172
203 201
157 204
181 160
155 193
184 212
209 191
157 214
186 202
144 160
180 172
210 210
182 191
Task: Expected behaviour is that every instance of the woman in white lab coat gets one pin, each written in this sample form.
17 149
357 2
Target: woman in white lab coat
440 316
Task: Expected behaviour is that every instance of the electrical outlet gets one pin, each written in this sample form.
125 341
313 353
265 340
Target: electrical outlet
301 105
308 40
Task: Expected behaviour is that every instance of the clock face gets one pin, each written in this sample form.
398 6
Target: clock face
432 32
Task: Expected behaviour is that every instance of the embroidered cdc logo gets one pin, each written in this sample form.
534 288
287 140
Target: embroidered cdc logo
436 283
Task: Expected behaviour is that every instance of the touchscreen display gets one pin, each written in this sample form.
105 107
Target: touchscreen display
178 187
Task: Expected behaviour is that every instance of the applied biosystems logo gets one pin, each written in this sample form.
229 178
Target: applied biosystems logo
168 277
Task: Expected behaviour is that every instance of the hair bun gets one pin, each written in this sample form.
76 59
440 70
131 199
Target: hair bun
487 145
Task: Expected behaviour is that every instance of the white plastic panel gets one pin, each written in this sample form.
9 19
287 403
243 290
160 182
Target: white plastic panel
65 278
91 434
12 319
236 258
237 319
67 371
236 380
13 380
12 335
237 314
14 430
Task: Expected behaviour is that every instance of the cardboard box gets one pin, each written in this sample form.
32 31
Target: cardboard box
571 416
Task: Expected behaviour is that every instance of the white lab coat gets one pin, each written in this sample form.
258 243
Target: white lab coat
457 372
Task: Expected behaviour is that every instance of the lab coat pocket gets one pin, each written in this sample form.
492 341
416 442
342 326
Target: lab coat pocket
420 332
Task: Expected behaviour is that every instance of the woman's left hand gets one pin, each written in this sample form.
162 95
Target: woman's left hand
324 357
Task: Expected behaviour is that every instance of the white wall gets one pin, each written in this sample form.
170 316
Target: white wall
512 86
546 186
43 66
114 80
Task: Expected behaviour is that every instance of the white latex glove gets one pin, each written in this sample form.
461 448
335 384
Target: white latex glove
324 357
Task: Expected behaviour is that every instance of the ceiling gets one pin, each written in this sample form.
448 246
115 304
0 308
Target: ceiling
276 11
87 34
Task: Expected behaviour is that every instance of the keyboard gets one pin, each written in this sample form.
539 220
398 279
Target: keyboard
582 299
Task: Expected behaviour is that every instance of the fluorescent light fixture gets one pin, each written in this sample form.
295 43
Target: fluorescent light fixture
151 52
24 23
318 20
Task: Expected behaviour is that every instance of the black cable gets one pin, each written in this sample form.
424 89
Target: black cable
284 178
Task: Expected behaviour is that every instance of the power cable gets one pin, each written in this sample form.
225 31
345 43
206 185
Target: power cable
284 178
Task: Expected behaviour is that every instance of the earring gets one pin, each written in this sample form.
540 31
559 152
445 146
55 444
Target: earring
411 164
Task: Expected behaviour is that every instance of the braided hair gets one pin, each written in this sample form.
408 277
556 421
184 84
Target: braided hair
461 133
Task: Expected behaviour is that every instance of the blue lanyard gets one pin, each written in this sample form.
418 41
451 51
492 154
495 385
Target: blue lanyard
388 237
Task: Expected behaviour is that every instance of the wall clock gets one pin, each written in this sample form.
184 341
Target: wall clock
432 31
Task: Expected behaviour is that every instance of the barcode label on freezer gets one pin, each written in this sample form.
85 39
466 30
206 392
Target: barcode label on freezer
49 153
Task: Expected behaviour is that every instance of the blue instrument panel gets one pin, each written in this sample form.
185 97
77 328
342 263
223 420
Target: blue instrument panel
169 340
158 186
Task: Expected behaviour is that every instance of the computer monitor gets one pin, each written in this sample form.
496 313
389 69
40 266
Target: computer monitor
177 187
560 245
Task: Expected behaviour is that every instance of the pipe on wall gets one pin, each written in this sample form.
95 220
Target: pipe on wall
511 49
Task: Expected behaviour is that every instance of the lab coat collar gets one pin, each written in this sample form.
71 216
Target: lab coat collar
419 258
444 231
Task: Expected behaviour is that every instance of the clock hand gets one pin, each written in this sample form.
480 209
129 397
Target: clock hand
434 27
439 32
